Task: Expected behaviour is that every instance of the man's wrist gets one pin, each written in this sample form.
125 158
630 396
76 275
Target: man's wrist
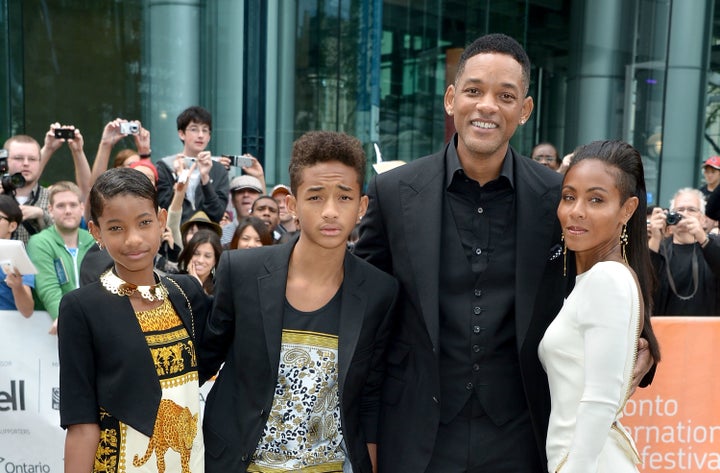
705 243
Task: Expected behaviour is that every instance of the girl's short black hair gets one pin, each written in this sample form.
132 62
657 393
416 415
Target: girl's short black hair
120 181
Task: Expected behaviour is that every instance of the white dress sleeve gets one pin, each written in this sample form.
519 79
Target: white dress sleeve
605 315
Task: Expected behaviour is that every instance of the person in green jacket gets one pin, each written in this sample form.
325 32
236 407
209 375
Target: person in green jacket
58 250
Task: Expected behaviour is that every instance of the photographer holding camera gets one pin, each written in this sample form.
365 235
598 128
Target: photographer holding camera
23 157
687 262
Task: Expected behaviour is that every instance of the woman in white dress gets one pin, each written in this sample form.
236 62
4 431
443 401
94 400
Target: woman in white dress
590 349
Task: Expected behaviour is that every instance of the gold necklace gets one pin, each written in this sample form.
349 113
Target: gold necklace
116 285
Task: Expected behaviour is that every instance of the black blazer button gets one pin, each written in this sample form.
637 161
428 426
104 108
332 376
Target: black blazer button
435 400
244 458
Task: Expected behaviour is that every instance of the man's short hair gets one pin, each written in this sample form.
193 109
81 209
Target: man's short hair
694 192
120 182
326 146
195 114
63 186
21 139
500 44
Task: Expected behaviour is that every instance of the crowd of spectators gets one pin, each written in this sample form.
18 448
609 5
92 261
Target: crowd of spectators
239 212
209 210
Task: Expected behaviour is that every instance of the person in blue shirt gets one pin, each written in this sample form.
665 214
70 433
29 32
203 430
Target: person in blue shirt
15 289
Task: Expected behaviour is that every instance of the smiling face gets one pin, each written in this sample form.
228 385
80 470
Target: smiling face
328 204
487 102
203 260
130 228
591 212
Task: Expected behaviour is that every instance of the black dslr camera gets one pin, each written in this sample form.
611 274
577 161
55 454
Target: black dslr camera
673 218
10 182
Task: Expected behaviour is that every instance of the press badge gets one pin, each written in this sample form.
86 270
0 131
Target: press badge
60 271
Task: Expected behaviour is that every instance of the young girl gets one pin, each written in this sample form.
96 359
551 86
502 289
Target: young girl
251 232
589 350
128 365
201 256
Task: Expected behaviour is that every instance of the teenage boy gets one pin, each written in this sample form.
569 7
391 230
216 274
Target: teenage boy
301 329
207 185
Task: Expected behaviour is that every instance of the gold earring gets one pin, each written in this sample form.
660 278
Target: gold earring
624 243
562 238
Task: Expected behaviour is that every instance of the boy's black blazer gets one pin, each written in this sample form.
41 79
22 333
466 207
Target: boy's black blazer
103 350
245 330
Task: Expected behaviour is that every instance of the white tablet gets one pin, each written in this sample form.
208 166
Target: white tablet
13 254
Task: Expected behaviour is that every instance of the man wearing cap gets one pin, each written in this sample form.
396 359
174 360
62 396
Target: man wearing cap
288 226
243 192
711 172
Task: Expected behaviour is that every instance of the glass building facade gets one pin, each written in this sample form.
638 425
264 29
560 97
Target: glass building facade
646 71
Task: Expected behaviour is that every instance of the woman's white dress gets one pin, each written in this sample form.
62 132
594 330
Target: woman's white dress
589 352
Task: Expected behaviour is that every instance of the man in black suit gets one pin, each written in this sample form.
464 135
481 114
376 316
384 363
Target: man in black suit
471 235
301 328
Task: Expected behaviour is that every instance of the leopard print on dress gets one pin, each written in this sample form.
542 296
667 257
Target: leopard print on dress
175 428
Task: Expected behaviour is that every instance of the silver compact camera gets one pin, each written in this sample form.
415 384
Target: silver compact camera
129 128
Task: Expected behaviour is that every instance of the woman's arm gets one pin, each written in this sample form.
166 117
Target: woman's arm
609 338
81 443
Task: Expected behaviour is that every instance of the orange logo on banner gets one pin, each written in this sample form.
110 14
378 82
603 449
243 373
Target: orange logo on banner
676 421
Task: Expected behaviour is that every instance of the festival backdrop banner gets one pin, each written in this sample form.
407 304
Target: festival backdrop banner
676 421
31 439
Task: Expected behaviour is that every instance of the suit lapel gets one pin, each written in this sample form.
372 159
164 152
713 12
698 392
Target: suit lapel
421 202
271 297
352 315
536 207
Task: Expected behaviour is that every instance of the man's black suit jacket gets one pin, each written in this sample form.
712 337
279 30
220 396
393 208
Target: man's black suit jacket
401 234
245 331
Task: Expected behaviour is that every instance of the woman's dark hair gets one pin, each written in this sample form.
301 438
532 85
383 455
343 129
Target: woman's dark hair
626 164
200 237
262 230
11 209
120 181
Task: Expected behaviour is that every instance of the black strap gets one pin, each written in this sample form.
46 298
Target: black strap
671 281
29 227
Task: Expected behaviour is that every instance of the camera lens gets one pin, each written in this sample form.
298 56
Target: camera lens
10 182
17 180
673 218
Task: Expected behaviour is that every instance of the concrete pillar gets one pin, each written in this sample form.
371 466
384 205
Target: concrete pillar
173 58
685 89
